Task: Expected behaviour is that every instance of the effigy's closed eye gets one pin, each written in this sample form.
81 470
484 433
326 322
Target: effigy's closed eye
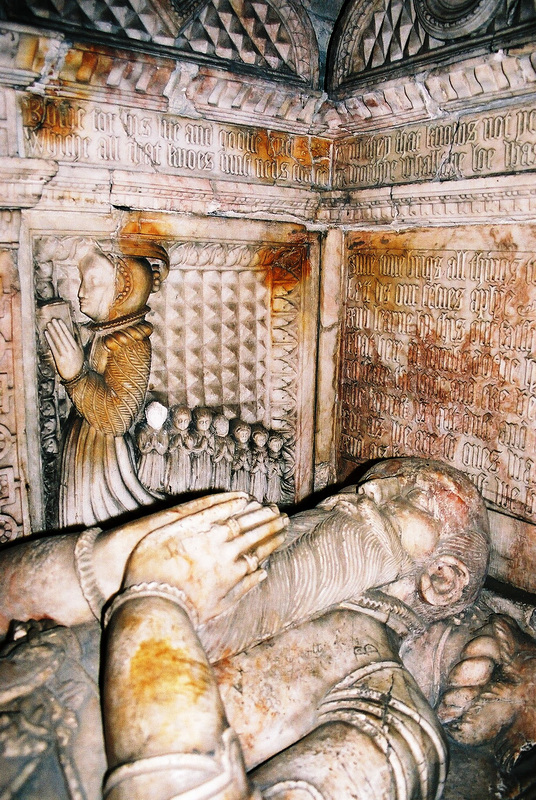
421 499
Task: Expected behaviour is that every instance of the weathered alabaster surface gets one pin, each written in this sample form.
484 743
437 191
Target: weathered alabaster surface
170 359
438 361
308 696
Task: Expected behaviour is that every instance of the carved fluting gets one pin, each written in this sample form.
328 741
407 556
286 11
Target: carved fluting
360 699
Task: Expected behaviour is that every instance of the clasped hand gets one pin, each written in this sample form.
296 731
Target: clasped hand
214 553
67 353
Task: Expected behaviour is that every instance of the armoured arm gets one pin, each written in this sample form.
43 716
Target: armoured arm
165 727
68 577
376 737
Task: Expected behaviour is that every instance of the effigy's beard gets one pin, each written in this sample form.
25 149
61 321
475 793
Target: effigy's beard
339 558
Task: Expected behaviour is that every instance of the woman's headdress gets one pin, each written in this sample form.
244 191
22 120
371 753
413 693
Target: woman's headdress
140 267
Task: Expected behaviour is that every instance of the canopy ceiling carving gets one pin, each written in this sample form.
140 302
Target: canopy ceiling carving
373 38
268 36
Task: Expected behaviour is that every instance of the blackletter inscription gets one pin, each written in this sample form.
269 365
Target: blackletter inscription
439 346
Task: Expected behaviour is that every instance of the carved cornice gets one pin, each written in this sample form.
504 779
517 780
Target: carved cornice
219 97
48 64
510 198
477 82
219 198
506 199
25 54
99 190
23 181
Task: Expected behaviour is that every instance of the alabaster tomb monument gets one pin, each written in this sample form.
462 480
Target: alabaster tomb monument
308 696
267 399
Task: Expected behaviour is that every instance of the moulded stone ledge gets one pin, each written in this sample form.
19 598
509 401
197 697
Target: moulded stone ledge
23 180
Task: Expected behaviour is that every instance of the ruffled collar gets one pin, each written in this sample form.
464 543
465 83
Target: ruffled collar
120 322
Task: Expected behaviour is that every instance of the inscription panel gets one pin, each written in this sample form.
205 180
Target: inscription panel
439 355
488 143
113 136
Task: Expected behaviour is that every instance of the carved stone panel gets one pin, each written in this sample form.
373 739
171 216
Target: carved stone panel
232 352
451 148
439 355
121 137
12 501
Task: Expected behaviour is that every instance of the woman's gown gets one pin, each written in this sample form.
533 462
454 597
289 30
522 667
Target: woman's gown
153 446
221 463
178 476
98 478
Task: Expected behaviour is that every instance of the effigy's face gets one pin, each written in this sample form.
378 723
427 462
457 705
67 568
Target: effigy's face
410 509
221 426
97 287
181 421
242 434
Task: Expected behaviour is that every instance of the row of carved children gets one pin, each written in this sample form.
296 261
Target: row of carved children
183 450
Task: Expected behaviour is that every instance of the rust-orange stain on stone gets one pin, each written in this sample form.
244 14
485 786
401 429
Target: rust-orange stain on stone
159 670
438 354
158 228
